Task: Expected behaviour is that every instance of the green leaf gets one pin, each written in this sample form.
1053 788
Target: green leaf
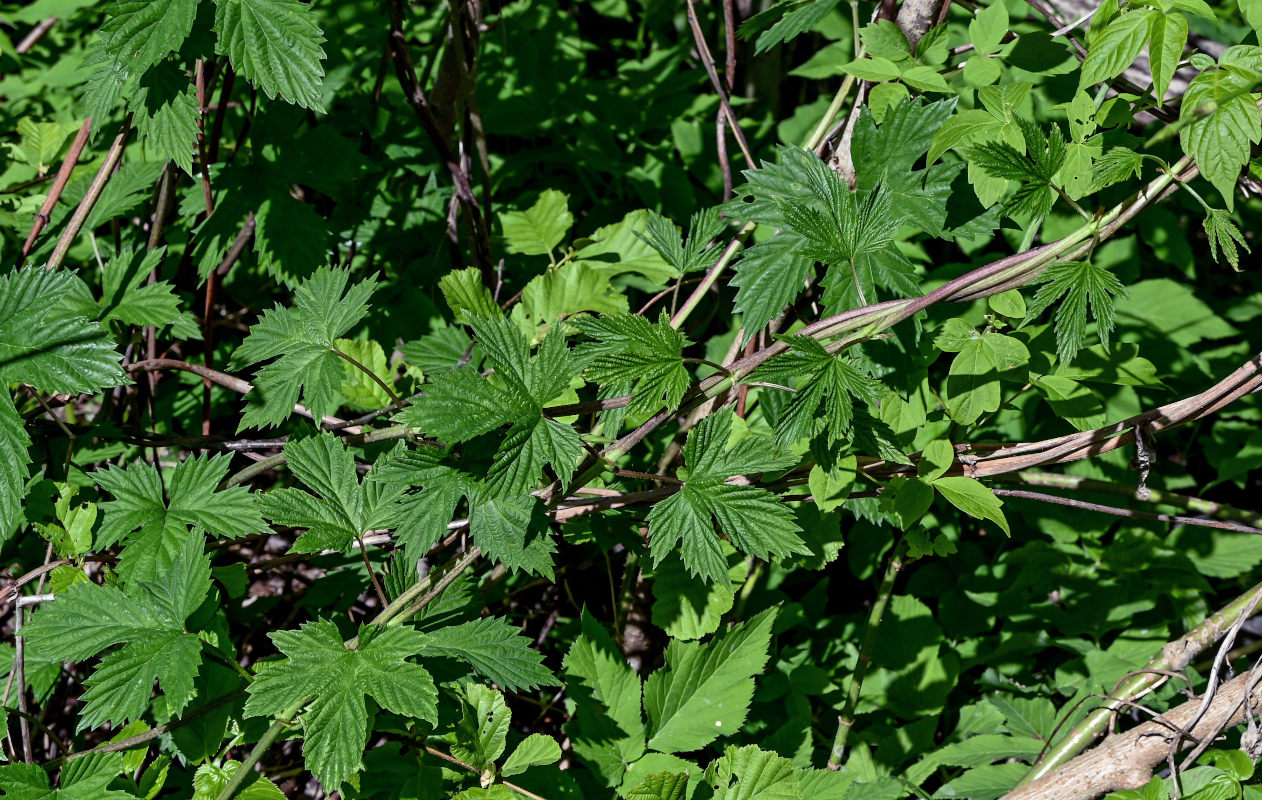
629 347
41 142
343 509
661 786
828 385
607 726
139 33
772 272
619 249
495 649
153 524
853 231
1035 169
875 69
973 381
318 665
1082 285
698 252
1222 233
496 791
750 773
304 337
987 29
886 157
13 443
510 529
751 518
976 751
936 459
540 228
785 21
960 129
973 498
704 690
1252 14
210 780
166 113
1009 304
40 345
911 497
830 487
1072 402
462 405
149 617
1116 48
768 276
358 388
982 70
126 297
1221 120
884 38
1116 165
535 750
688 609
984 783
483 728
275 44
466 296
1174 311
926 79
563 292
1168 33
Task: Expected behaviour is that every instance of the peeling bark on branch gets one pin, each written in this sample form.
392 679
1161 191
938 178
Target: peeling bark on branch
1126 761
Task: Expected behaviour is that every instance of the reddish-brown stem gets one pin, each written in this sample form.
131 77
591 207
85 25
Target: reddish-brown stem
44 215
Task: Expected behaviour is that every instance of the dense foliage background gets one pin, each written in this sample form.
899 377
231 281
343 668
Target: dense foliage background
630 399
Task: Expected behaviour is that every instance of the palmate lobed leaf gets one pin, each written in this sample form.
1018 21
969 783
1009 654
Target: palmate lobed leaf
511 529
319 665
140 33
191 499
302 339
824 380
345 508
752 518
1079 285
628 347
148 618
462 405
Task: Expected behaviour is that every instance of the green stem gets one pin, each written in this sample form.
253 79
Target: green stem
845 720
712 276
283 721
834 108
839 99
1174 657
